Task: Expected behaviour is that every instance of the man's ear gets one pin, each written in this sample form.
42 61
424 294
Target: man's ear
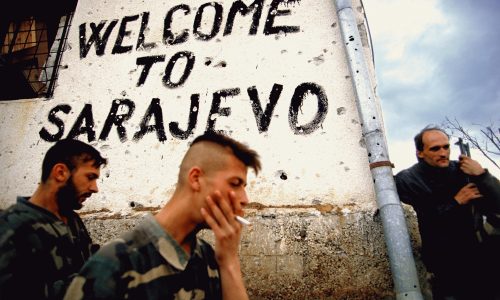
420 154
60 172
194 177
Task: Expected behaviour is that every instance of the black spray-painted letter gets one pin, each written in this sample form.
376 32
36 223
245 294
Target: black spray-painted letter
140 40
168 36
87 117
263 117
193 119
154 110
167 80
243 9
100 43
147 62
215 25
45 134
122 33
274 12
216 110
117 119
297 100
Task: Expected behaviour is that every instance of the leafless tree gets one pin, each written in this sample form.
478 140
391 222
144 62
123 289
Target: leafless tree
486 140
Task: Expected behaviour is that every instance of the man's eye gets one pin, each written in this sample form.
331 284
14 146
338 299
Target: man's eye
436 148
236 183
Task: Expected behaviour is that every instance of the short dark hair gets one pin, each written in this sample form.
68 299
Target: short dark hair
419 143
246 155
70 152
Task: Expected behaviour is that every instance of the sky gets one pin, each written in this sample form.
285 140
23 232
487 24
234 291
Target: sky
435 59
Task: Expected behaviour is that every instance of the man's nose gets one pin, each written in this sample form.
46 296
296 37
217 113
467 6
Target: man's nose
443 151
244 199
93 187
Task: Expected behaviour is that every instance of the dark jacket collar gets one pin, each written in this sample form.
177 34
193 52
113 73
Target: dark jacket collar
436 172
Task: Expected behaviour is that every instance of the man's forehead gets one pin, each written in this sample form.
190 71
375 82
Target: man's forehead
88 166
433 136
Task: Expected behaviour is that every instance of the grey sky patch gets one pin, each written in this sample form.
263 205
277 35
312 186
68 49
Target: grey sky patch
462 77
447 64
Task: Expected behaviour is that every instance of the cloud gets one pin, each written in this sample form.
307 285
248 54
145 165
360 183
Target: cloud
435 59
412 71
396 23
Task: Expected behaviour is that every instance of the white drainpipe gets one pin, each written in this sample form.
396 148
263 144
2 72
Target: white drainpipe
396 235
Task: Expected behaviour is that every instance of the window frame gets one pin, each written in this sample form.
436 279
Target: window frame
32 43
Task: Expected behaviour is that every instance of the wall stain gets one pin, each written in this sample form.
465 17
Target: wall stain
324 208
91 212
147 208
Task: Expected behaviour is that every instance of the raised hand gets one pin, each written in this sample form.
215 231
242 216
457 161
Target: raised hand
470 166
220 216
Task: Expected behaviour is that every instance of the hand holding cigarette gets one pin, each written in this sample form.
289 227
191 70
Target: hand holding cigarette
225 224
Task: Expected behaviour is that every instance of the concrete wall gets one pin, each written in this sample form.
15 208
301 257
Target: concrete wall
140 79
318 252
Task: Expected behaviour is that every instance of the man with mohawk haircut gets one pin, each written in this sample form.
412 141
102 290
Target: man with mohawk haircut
162 258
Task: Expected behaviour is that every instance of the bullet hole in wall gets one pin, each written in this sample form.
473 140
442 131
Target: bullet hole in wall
222 64
281 174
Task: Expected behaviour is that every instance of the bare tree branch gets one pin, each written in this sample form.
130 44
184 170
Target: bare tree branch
493 139
489 138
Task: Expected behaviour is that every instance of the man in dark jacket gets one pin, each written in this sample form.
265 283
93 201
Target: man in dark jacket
450 199
43 242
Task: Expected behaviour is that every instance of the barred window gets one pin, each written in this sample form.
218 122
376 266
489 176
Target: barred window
32 39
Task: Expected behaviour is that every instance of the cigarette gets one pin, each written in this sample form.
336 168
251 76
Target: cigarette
242 221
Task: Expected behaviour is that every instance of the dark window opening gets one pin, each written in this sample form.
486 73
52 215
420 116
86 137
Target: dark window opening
32 39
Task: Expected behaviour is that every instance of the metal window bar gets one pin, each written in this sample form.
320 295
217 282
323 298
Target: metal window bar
32 69
52 66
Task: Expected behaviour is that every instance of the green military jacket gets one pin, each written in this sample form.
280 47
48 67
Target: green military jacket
39 254
147 263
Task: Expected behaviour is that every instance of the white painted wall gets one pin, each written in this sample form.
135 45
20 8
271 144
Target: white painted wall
327 165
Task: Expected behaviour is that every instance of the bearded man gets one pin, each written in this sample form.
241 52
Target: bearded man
43 242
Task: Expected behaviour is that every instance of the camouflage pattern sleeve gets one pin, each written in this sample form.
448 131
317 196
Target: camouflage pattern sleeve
18 254
7 259
146 263
99 278
39 254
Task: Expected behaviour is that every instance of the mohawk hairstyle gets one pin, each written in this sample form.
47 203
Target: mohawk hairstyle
248 156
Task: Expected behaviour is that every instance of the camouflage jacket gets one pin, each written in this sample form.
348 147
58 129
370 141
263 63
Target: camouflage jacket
146 263
39 254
